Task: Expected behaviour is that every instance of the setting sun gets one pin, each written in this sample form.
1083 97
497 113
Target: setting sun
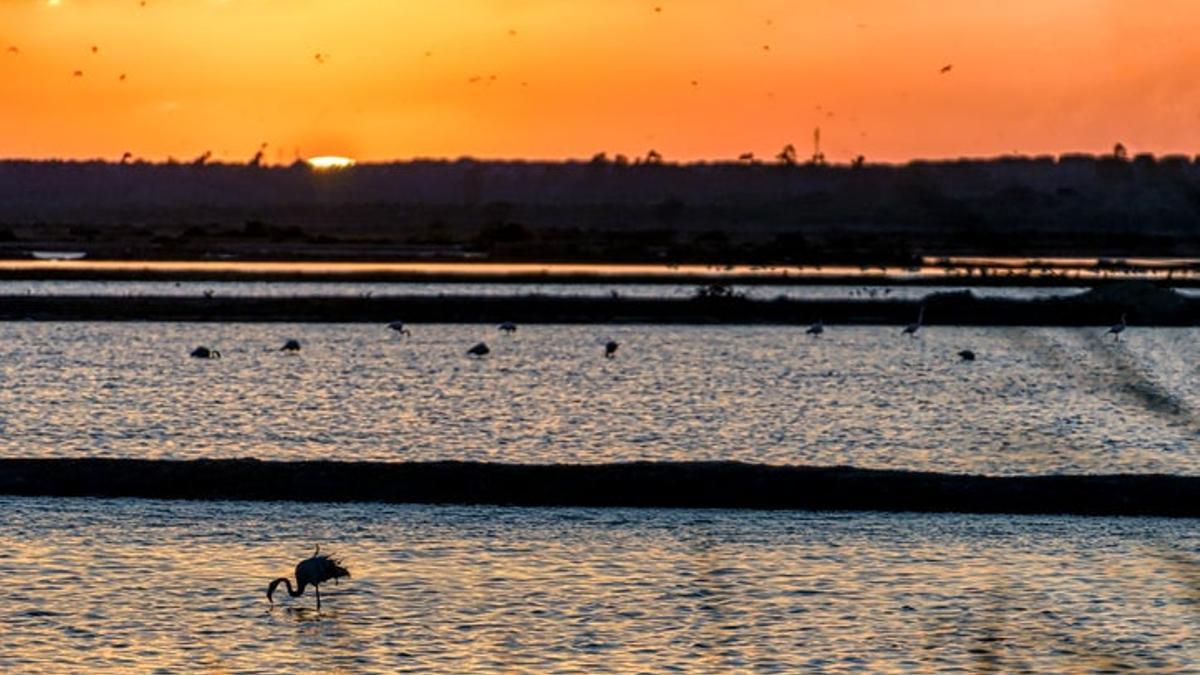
326 162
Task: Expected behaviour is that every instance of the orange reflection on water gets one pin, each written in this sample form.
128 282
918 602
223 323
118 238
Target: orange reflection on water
1085 268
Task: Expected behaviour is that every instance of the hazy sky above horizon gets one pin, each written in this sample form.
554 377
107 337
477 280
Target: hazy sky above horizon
694 79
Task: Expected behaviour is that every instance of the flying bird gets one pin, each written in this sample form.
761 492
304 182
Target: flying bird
95 49
314 571
480 349
13 49
966 355
912 328
946 68
400 328
1116 329
508 327
816 329
203 352
320 58
121 77
290 346
610 349
78 73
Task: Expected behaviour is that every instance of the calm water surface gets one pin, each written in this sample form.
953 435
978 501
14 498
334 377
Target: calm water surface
107 585
361 289
1035 400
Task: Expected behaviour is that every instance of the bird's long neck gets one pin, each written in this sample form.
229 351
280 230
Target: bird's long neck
295 593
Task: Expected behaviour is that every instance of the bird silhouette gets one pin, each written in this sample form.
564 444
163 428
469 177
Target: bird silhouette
966 355
290 346
480 349
203 352
508 327
912 328
816 329
946 68
610 349
1116 329
400 328
77 73
13 49
314 571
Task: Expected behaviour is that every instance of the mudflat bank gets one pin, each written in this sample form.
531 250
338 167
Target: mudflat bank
1142 303
638 484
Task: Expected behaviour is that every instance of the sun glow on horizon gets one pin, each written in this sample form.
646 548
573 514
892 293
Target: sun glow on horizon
328 162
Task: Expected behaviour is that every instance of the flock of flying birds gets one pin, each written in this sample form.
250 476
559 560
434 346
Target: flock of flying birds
320 58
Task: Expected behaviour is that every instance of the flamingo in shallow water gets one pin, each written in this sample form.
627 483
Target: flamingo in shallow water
610 349
315 571
912 328
1117 329
816 329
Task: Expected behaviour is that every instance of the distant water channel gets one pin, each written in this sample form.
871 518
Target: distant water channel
125 585
363 289
1035 400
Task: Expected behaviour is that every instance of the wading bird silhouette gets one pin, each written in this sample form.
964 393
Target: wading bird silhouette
966 355
203 352
315 571
480 349
400 328
912 328
1116 329
508 327
816 329
610 349
290 346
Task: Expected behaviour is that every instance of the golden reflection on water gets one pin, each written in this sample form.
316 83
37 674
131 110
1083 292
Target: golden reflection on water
123 584
1081 268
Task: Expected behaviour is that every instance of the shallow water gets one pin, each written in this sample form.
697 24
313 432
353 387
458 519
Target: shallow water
1035 400
155 586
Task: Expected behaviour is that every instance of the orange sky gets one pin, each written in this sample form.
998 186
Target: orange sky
574 77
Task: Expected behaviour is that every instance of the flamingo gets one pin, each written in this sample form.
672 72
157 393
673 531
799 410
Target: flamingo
912 328
203 352
816 329
508 327
966 355
1116 329
290 346
400 328
316 570
610 349
480 349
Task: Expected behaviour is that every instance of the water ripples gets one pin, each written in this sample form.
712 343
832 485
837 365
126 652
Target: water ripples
121 584
1037 399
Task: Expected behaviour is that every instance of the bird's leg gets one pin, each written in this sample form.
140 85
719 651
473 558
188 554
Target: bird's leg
317 588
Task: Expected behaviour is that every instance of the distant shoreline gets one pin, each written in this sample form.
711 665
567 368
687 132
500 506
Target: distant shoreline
605 211
636 484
